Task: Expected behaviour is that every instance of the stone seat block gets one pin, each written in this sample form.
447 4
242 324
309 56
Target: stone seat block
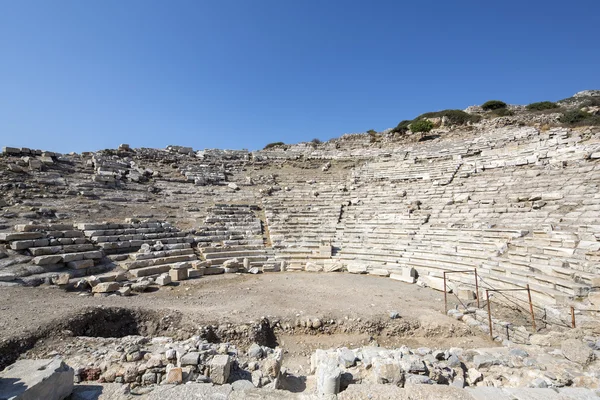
80 264
159 261
39 251
234 254
26 244
12 236
150 270
162 253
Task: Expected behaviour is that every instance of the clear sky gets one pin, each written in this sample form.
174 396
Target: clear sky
87 75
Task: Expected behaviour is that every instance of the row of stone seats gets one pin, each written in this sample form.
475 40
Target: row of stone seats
55 247
129 237
396 170
233 231
160 258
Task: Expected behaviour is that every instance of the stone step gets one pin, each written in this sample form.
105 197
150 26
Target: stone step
235 254
40 251
158 261
161 253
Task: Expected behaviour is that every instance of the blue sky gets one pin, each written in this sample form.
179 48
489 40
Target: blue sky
86 75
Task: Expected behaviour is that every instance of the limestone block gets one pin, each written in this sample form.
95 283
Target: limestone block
11 150
379 272
174 376
194 273
552 196
408 274
191 358
69 257
45 260
465 293
356 269
220 367
35 165
106 287
178 273
163 280
328 379
15 168
10 236
436 283
333 266
577 351
388 371
80 264
213 271
312 267
48 379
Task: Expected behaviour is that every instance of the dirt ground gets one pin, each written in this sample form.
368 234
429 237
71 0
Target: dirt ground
237 298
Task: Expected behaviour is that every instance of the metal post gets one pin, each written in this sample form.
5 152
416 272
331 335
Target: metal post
572 316
445 296
487 295
531 309
477 287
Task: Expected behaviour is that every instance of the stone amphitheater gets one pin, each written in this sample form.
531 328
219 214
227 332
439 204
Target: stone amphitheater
459 265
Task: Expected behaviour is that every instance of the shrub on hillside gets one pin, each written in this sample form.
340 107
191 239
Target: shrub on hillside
422 125
273 145
493 105
542 105
503 112
372 132
455 117
316 141
402 127
579 118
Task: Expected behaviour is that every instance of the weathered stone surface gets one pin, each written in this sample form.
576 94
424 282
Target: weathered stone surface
242 385
163 280
388 371
328 379
220 368
577 351
356 269
106 287
174 376
36 379
45 260
191 358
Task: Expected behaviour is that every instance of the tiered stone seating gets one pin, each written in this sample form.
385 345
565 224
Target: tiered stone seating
55 247
440 171
301 220
126 238
160 258
234 231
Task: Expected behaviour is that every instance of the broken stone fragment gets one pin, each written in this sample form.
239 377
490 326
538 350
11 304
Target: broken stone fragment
106 287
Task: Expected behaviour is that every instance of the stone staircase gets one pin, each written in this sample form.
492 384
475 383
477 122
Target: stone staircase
234 231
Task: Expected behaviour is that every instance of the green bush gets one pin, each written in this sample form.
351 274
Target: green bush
422 125
493 105
542 105
579 118
402 127
316 141
372 132
272 145
503 112
591 101
455 117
